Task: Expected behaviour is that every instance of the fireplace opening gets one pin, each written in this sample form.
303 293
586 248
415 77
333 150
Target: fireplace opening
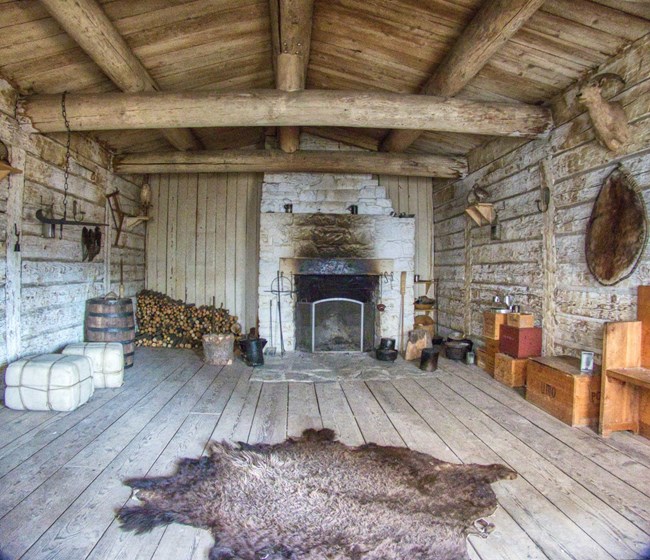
335 313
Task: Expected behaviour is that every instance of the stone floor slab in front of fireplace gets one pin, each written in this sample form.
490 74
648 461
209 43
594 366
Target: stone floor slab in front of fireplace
340 366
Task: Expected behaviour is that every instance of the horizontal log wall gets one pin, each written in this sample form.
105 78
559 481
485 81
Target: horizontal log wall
203 240
43 288
540 257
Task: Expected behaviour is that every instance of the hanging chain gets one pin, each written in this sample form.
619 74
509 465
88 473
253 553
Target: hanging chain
66 173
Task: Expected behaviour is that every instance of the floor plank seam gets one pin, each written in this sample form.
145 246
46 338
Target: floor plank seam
552 502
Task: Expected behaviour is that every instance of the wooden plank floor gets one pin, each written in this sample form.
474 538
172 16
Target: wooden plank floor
577 496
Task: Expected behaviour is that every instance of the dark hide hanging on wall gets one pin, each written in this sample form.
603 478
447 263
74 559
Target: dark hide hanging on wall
314 498
617 229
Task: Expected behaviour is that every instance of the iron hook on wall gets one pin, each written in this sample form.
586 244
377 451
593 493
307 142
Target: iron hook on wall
542 204
17 245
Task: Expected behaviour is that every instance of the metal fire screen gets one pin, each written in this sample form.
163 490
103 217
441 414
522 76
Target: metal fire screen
335 325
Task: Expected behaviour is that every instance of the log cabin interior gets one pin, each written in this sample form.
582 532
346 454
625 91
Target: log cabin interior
335 175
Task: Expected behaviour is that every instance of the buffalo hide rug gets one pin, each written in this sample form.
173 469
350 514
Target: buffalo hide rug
315 498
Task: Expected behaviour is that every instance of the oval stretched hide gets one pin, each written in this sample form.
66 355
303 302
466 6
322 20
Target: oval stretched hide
617 230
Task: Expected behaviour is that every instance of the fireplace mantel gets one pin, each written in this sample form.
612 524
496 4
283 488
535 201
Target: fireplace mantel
336 266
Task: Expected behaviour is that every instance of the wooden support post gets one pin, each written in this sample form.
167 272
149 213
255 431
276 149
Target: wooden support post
291 22
467 288
290 77
13 282
549 260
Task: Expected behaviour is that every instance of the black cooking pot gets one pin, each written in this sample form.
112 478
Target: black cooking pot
456 349
386 354
467 341
387 344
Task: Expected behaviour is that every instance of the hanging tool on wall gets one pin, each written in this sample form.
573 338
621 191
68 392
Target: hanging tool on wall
17 245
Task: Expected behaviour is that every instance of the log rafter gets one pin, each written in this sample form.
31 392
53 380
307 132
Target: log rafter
87 23
493 25
302 161
145 110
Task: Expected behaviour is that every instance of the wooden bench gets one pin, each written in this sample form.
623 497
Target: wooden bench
625 391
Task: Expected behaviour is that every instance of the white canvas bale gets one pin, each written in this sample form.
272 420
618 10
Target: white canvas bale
49 382
107 359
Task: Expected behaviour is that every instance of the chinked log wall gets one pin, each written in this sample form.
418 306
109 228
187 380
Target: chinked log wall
540 257
43 287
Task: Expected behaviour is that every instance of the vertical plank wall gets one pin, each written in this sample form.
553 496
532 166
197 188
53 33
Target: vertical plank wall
45 285
540 257
203 239
414 195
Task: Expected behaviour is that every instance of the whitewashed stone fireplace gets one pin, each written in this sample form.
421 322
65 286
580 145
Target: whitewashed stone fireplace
322 237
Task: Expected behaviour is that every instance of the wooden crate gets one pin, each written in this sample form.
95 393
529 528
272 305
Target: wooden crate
492 323
491 345
520 320
556 385
510 371
485 361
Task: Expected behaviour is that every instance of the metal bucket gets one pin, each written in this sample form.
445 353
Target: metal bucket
253 350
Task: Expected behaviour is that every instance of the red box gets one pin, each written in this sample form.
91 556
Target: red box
520 343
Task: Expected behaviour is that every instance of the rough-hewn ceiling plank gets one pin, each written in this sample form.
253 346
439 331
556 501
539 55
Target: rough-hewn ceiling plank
492 26
301 161
86 22
115 111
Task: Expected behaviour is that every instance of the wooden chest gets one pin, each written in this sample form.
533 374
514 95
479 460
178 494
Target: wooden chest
492 323
556 385
520 320
510 371
520 343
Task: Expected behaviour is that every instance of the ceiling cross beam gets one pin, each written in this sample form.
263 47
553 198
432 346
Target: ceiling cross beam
87 23
147 110
291 23
492 26
313 161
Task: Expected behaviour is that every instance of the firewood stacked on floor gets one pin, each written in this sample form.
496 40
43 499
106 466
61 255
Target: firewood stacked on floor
167 323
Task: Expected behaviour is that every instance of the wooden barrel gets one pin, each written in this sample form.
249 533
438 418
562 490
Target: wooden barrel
111 320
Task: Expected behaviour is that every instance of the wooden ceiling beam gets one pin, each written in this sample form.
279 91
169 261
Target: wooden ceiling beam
492 26
301 161
145 110
87 23
291 23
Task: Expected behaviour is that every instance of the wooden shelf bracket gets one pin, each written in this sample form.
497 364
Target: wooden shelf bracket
483 213
122 220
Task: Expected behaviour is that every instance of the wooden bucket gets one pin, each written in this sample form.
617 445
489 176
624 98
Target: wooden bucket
109 319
